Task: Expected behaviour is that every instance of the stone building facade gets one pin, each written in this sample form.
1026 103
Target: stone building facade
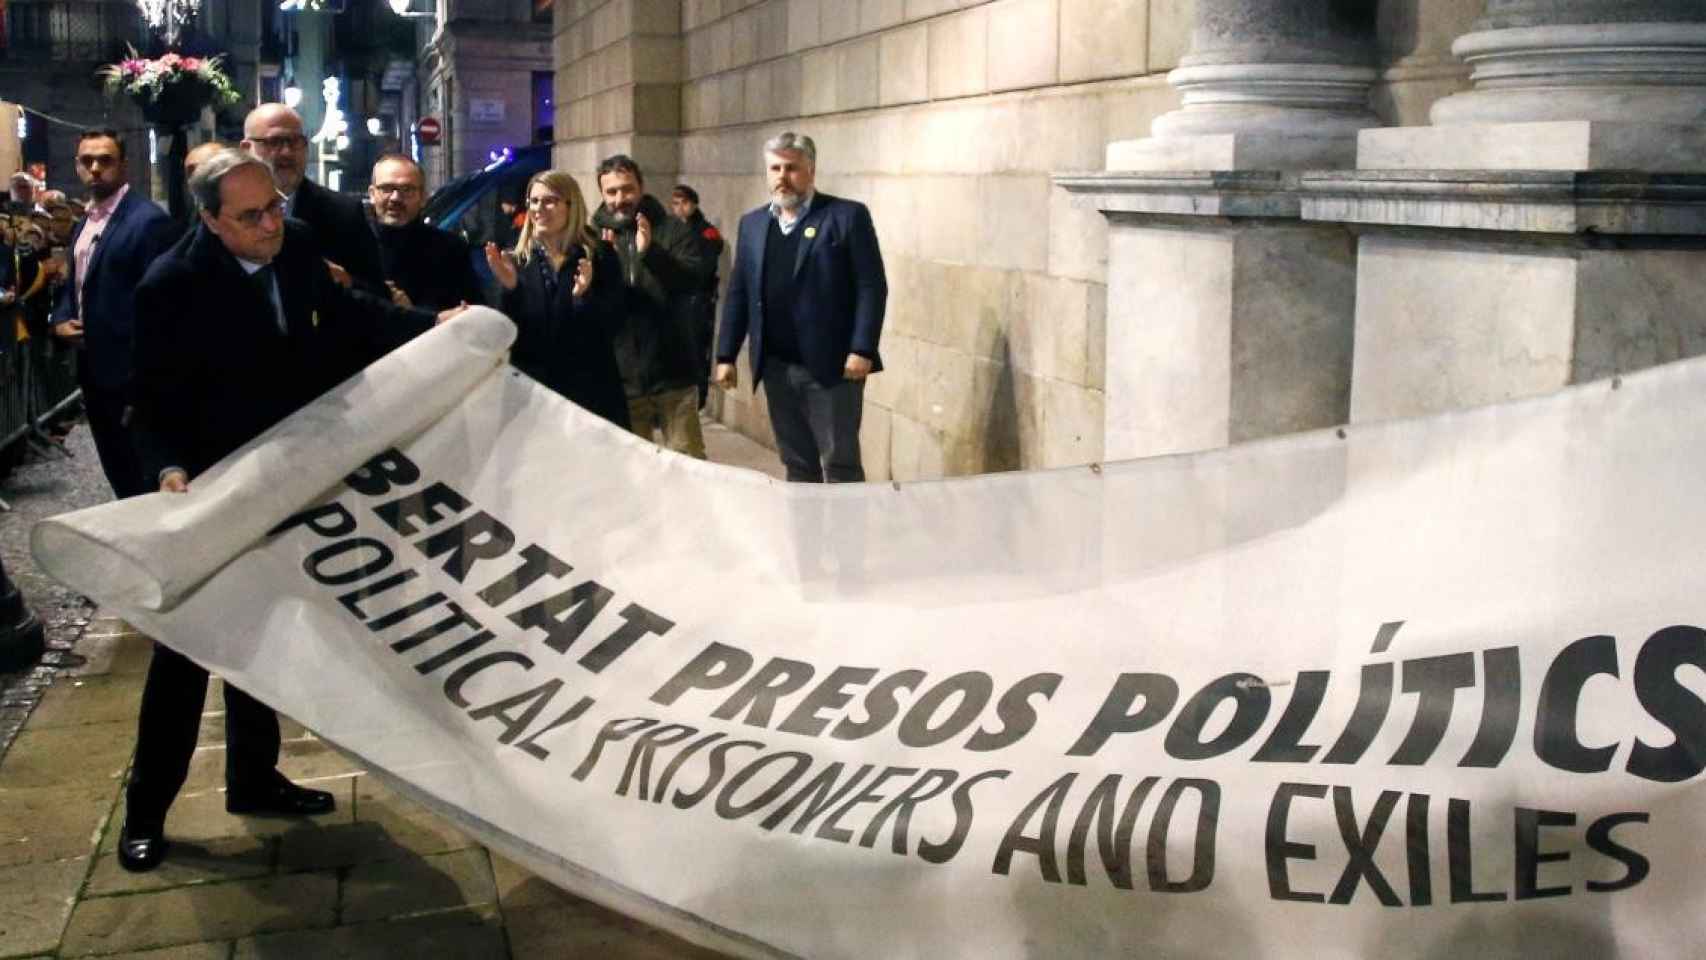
48 63
476 77
1127 227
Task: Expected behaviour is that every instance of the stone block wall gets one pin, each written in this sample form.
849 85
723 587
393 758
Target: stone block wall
494 61
618 85
948 118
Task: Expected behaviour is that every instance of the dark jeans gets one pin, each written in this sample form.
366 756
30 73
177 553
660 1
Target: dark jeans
166 733
113 442
817 427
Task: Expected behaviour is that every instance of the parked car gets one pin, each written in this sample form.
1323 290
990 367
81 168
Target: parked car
469 203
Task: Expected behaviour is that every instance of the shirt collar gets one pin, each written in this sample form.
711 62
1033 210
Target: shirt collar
102 209
249 266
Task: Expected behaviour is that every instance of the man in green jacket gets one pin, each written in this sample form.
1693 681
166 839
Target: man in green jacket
662 266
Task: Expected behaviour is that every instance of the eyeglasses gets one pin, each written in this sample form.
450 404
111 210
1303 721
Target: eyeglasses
543 202
251 219
293 142
90 161
400 189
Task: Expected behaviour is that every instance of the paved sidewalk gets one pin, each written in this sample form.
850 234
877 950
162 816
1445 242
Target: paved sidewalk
379 878
723 445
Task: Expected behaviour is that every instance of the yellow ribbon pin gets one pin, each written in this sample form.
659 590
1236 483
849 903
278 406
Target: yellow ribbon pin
811 232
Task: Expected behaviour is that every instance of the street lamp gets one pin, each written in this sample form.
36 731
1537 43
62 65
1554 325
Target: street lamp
168 16
401 9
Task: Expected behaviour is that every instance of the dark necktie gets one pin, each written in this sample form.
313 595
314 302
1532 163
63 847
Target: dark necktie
263 280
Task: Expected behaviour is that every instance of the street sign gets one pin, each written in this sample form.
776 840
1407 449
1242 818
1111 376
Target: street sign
485 111
428 129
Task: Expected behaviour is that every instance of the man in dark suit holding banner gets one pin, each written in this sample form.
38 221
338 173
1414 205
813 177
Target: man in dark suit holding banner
238 327
808 291
111 247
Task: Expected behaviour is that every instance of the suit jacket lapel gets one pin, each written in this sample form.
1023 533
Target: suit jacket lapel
71 246
304 200
761 237
809 237
297 322
109 235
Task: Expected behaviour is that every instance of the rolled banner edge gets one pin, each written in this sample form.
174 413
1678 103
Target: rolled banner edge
92 565
123 552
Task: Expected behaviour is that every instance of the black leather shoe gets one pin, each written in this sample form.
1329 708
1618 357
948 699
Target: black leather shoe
284 799
141 847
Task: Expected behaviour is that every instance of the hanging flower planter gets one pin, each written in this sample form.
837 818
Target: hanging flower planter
171 90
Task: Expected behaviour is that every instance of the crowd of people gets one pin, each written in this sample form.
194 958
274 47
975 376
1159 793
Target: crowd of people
195 338
34 221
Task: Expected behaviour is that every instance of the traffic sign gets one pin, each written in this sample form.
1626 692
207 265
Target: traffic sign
428 129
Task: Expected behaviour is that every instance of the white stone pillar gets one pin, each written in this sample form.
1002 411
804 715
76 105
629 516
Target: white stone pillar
1228 318
1567 85
1549 227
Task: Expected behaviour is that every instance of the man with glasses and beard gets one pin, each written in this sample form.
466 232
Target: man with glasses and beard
662 265
119 235
273 132
424 267
237 329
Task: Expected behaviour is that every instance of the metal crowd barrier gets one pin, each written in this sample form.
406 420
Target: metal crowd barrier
38 383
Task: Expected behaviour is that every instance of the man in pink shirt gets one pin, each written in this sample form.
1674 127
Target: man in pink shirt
111 247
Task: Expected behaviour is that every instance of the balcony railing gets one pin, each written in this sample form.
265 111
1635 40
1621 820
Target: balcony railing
77 31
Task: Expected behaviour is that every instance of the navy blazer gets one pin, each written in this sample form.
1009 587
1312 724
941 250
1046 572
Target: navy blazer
840 290
138 232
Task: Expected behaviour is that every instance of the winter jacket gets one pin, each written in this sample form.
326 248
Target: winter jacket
654 341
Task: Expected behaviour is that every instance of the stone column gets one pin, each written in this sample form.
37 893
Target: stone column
1614 61
1268 84
1228 318
1589 84
1549 227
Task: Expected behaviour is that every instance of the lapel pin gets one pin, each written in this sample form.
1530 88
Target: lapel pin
811 232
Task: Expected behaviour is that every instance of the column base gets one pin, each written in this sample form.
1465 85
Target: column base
1575 145
1234 151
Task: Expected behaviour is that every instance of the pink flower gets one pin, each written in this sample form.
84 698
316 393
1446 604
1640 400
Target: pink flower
191 64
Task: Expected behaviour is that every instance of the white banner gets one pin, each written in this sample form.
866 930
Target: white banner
1422 689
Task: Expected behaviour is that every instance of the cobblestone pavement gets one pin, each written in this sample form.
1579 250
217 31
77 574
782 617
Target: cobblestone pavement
35 490
377 879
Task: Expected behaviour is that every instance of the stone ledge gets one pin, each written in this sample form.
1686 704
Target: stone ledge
1199 193
1621 204
1303 149
1564 145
